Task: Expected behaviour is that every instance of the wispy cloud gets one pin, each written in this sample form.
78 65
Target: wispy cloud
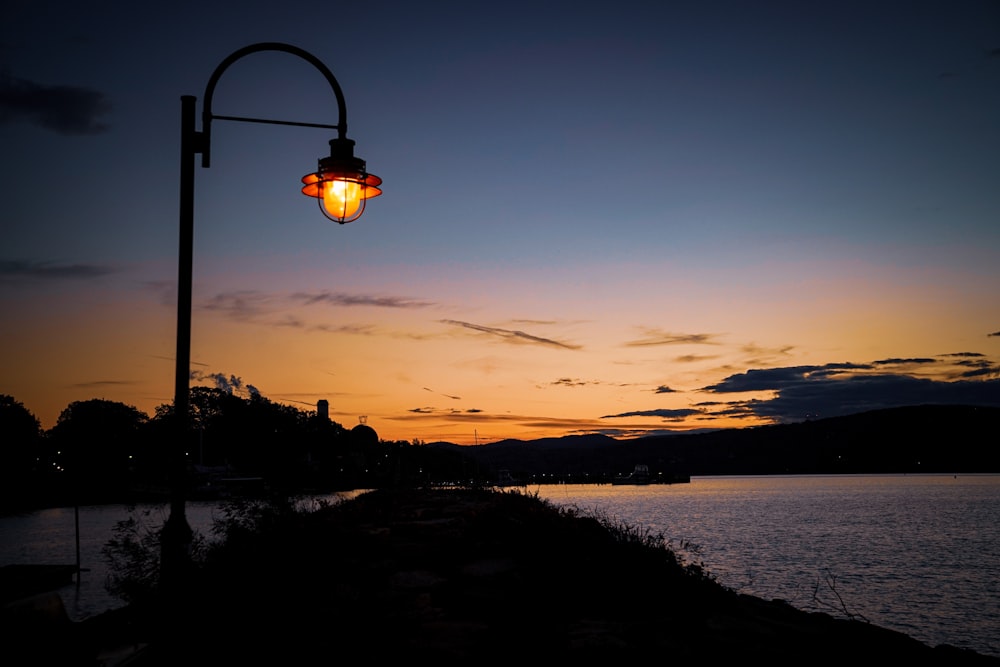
69 110
657 337
756 355
694 358
454 398
536 322
96 384
482 418
353 329
248 304
13 269
242 305
271 309
512 336
341 299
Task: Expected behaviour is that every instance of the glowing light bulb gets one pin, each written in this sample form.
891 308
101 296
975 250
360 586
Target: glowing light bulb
341 198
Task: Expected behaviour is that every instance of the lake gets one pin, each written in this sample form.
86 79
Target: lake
50 536
915 553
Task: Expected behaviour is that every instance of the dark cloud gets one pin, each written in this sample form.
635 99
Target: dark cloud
20 269
986 370
64 109
572 382
977 368
827 370
664 389
770 379
663 413
340 299
511 335
733 410
805 392
995 333
900 361
453 414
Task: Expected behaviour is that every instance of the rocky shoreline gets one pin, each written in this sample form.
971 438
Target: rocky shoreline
463 574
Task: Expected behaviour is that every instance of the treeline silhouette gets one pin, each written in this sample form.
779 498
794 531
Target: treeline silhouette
103 451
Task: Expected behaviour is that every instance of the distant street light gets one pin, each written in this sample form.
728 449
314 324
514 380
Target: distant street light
341 184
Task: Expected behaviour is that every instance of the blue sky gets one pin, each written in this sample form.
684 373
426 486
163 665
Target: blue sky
620 218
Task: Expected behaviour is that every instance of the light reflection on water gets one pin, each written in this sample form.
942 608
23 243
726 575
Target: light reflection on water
919 554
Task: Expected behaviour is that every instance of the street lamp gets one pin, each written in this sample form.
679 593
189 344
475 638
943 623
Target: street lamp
341 184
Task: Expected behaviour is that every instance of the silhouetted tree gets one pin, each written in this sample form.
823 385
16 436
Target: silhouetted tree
250 434
20 455
97 446
292 449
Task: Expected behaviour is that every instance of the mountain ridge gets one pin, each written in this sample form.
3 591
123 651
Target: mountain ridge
910 439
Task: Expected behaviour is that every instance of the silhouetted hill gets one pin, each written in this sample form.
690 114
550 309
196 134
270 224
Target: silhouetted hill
917 439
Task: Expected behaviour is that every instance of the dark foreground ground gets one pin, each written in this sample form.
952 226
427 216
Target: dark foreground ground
467 575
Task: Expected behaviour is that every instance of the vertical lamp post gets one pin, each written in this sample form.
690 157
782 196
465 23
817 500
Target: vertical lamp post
341 184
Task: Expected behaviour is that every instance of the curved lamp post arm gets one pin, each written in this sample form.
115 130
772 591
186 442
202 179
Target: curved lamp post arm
207 116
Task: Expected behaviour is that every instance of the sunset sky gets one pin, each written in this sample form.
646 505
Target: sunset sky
625 218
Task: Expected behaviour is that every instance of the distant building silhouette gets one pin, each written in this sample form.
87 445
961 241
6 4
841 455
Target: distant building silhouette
323 409
363 434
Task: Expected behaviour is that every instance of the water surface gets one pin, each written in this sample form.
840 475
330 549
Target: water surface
914 553
917 554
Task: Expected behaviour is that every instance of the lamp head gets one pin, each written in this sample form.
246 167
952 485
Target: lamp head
341 183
